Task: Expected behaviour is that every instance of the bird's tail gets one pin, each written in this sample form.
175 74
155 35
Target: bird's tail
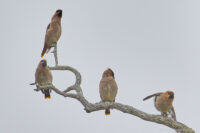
45 50
150 96
47 94
107 112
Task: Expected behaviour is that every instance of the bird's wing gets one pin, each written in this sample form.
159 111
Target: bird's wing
150 96
48 27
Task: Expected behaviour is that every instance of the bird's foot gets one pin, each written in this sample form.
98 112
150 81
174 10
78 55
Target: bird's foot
164 114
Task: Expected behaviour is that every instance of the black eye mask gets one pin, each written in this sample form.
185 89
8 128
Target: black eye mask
60 14
171 96
44 64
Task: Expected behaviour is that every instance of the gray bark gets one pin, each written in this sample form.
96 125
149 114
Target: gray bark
91 107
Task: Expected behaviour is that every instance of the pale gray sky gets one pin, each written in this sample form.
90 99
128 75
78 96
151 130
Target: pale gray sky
152 46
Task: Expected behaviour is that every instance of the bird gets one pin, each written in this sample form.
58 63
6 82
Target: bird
43 76
108 88
163 102
53 32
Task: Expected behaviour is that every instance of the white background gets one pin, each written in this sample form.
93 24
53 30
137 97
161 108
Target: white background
152 46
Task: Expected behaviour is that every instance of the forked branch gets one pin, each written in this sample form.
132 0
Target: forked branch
91 107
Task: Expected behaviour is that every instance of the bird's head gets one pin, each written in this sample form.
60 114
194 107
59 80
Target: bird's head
170 94
108 73
43 63
59 13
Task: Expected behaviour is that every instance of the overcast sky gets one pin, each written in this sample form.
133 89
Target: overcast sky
151 45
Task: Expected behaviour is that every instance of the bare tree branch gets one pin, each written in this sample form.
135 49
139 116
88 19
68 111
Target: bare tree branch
55 53
91 107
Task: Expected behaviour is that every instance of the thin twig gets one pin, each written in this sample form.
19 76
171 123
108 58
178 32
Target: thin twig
55 55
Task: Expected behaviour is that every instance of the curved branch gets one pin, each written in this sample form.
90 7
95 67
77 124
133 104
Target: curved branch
76 73
90 107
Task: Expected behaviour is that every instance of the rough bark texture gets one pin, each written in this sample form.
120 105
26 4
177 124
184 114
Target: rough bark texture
91 107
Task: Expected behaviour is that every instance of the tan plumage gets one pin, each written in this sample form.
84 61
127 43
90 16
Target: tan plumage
43 76
163 102
53 32
108 88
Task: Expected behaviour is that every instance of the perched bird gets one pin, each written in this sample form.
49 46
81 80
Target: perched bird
53 32
163 102
43 76
108 88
